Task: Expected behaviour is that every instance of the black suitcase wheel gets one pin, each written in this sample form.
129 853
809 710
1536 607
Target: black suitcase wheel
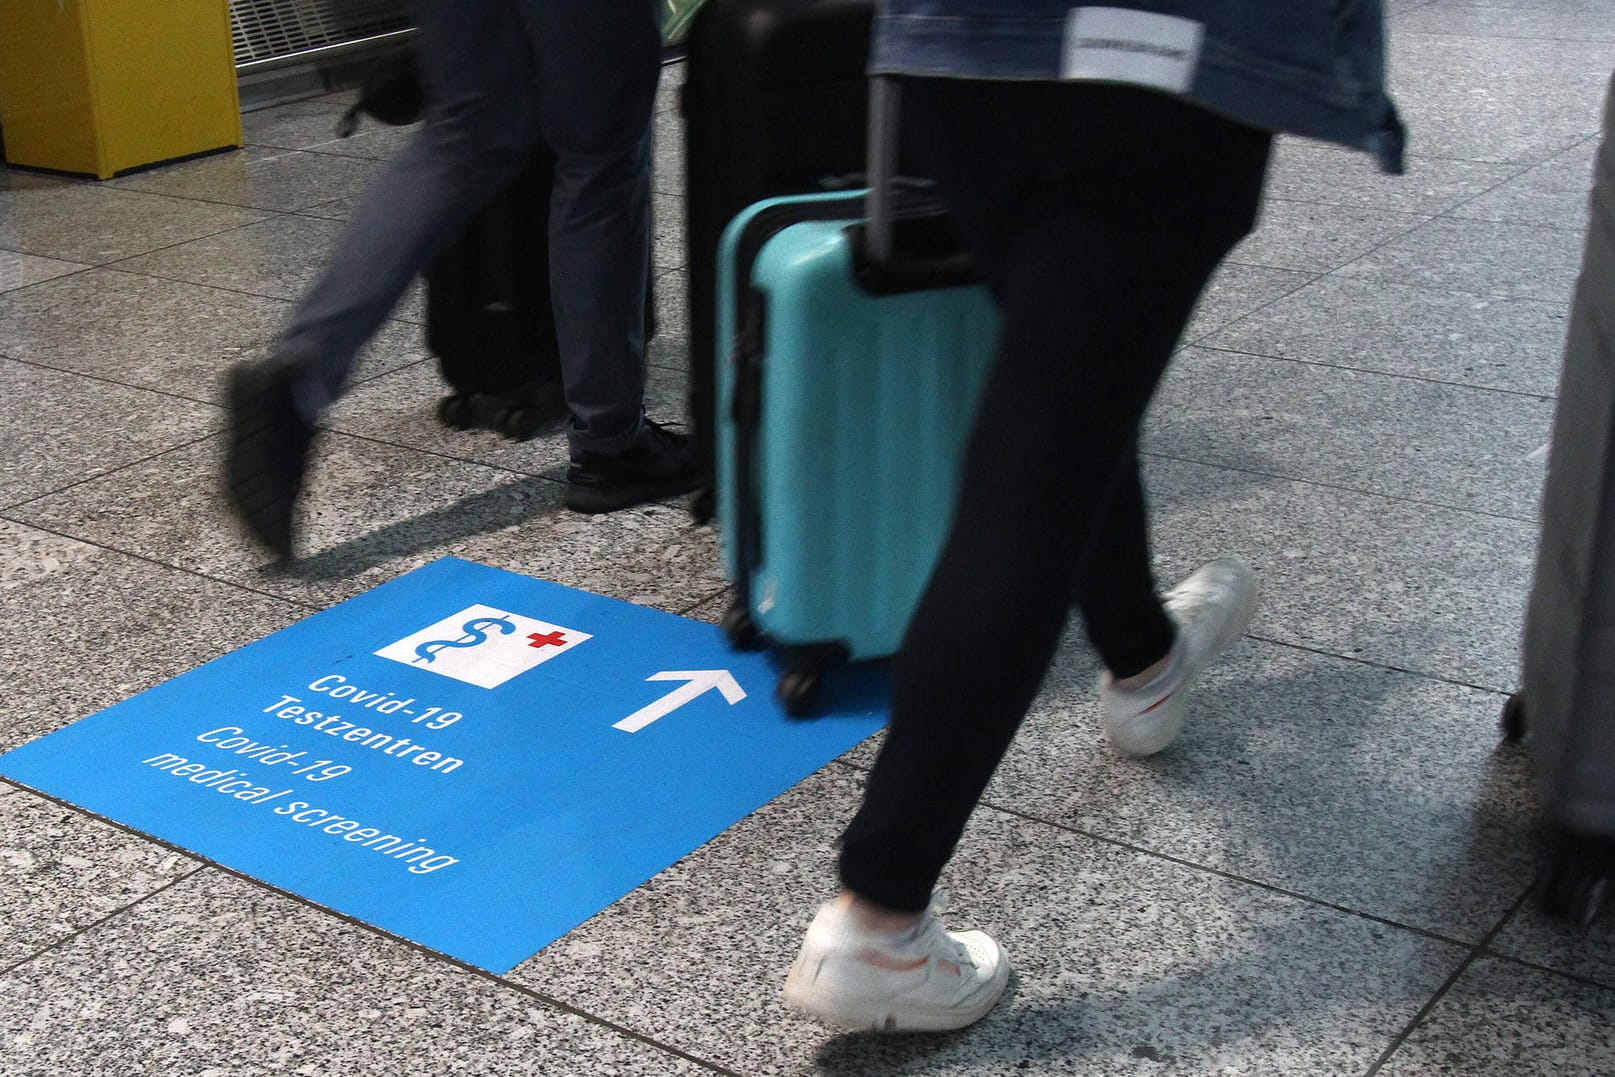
704 506
1512 720
740 629
1577 880
454 412
798 691
520 424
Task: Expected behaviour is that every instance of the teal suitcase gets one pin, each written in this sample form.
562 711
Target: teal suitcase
846 389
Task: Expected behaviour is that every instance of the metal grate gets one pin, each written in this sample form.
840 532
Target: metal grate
276 29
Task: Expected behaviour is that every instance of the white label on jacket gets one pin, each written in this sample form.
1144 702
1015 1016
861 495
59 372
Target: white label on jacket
1112 44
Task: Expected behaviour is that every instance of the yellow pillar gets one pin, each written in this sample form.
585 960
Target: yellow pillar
99 87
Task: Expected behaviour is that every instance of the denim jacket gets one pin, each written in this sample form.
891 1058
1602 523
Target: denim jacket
1308 67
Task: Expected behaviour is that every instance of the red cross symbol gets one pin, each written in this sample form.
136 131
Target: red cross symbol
554 639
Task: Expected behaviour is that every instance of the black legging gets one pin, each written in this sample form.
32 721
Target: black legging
1095 214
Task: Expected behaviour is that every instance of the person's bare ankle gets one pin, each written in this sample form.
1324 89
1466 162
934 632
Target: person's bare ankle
877 917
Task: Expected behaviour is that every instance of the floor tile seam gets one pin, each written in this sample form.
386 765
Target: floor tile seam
1207 869
108 473
205 864
116 263
1197 340
274 210
83 268
692 607
1476 952
1338 488
6 514
1387 667
1585 980
103 379
1450 212
1329 269
372 439
1546 398
86 929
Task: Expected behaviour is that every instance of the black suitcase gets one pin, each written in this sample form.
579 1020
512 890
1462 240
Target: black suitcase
1566 703
488 315
775 101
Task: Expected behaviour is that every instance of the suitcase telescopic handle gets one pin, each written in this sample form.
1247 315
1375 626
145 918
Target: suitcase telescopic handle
881 166
906 242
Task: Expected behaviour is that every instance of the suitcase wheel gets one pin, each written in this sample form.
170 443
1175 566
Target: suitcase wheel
1512 720
739 629
798 690
704 506
520 424
454 412
1577 880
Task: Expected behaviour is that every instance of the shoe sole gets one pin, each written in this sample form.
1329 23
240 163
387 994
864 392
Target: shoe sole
593 500
860 1014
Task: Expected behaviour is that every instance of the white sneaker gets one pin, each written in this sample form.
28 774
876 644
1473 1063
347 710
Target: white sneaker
1211 608
925 979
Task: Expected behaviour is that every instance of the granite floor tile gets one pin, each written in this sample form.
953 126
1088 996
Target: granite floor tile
1119 959
1566 20
667 162
1407 585
57 429
92 627
20 270
258 177
667 246
217 976
1444 444
337 209
1237 291
294 126
1314 238
1500 1020
374 140
1373 790
1307 171
1541 940
1493 99
372 511
1488 342
62 871
1554 193
1487 258
279 258
401 409
93 224
161 334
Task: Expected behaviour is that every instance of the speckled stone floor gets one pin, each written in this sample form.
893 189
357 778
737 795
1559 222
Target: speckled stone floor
1328 874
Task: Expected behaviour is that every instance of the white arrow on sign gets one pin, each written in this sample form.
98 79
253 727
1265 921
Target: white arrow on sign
700 681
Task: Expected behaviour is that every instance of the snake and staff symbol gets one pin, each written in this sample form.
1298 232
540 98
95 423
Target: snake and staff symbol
473 633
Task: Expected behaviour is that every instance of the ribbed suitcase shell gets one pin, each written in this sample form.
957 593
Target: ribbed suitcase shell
864 405
1569 650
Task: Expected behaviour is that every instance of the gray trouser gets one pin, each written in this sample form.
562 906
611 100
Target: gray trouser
503 77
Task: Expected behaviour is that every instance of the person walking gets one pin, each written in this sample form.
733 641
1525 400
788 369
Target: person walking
1100 162
502 78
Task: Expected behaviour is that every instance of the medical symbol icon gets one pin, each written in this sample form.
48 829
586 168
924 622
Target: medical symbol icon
483 646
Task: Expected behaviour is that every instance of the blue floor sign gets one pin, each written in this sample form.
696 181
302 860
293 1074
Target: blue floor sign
470 759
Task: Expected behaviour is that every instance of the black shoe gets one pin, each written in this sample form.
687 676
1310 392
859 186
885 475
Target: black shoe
659 464
268 453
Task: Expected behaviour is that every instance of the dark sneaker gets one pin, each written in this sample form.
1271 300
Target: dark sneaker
268 453
659 464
